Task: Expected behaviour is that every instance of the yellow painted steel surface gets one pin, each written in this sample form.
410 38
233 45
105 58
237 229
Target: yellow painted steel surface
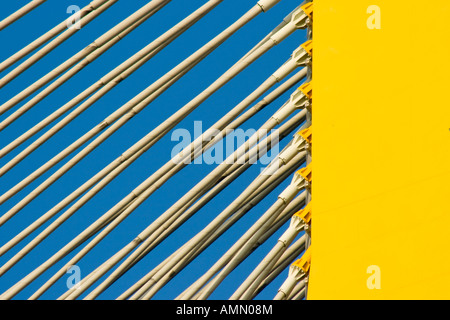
381 151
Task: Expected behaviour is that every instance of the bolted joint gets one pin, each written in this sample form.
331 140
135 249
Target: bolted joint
296 273
298 145
303 178
304 139
303 55
302 18
302 97
299 19
300 181
296 224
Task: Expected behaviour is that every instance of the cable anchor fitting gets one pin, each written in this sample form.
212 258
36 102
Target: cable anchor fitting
302 265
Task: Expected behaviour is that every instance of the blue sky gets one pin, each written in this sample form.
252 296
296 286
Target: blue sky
51 13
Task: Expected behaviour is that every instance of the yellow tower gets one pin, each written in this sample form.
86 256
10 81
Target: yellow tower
381 223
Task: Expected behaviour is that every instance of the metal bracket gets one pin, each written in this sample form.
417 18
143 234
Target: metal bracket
303 54
305 138
303 18
305 214
303 177
304 263
302 97
308 9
